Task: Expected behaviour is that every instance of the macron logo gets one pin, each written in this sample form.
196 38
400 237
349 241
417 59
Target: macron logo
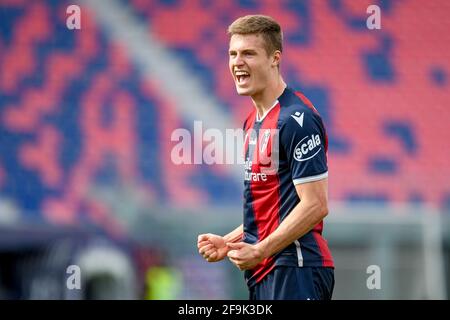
298 117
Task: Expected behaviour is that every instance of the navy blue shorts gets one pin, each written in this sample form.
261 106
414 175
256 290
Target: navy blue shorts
294 283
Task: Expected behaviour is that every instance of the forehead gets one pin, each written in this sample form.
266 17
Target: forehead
240 42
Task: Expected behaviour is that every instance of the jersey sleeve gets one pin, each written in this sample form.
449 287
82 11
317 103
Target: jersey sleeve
303 138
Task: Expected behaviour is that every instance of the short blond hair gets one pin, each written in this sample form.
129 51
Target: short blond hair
260 24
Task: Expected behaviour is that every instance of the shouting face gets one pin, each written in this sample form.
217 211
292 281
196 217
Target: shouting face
251 66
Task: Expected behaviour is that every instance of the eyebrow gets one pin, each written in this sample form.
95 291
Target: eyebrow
243 51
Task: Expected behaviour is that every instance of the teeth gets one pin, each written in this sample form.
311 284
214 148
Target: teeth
241 73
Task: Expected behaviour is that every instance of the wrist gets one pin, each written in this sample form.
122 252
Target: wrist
262 249
232 239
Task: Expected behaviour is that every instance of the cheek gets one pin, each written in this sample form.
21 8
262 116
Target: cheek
260 75
230 68
263 73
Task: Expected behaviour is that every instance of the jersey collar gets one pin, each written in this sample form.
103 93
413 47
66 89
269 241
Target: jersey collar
267 112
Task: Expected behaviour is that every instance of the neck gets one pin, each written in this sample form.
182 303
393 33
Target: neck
264 100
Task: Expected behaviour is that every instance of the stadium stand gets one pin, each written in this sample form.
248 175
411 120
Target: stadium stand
378 92
74 110
78 117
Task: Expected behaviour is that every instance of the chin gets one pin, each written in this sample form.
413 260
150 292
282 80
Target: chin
243 91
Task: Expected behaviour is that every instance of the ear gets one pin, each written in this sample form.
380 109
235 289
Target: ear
276 60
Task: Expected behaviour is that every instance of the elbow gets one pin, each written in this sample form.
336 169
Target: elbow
322 209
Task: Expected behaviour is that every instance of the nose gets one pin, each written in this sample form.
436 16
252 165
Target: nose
238 61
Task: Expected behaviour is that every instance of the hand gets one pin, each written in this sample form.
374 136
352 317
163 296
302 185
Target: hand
244 256
212 247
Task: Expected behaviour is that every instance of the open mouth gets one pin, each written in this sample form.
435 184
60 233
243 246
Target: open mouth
242 77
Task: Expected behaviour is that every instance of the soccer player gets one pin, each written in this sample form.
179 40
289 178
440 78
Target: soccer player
280 244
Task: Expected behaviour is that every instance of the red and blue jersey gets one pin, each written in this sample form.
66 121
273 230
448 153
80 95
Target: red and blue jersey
286 147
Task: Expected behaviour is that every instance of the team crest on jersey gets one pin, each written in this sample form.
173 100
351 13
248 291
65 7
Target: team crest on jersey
265 140
307 148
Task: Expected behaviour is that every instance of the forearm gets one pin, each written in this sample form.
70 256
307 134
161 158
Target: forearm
235 235
305 216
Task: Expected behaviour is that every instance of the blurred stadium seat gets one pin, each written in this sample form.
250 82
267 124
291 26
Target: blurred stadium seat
77 116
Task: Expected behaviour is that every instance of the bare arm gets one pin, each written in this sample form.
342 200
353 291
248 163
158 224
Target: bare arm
235 235
214 248
312 208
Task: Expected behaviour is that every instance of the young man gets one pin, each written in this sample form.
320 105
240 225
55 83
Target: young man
280 244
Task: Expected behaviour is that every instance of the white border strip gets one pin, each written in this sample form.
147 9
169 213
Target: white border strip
310 179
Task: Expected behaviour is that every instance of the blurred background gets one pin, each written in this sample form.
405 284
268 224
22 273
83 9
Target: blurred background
86 118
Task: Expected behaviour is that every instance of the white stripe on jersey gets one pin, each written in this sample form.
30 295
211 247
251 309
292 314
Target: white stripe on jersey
310 179
299 253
